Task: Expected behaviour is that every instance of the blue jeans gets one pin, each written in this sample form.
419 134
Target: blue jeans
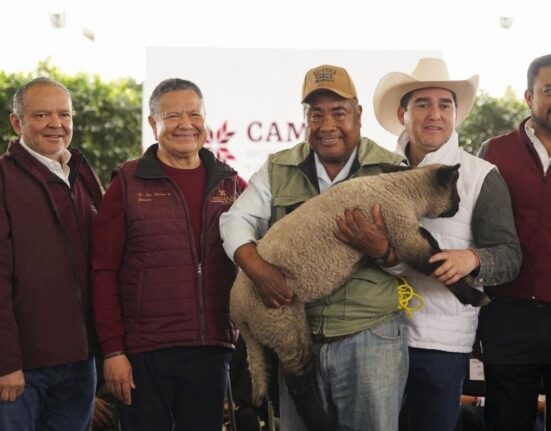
58 398
362 380
433 389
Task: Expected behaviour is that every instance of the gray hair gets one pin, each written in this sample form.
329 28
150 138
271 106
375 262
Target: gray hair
18 106
172 84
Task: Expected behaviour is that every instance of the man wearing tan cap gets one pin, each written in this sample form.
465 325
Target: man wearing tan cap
424 109
358 345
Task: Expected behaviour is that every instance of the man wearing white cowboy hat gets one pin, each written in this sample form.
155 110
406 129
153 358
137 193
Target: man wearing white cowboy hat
424 109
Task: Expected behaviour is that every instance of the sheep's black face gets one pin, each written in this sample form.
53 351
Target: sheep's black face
447 177
454 205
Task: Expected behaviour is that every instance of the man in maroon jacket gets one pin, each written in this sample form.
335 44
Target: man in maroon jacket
161 277
48 199
515 328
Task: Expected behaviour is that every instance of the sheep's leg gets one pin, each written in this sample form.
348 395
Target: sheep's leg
246 307
282 329
285 330
416 249
462 289
293 351
256 357
305 393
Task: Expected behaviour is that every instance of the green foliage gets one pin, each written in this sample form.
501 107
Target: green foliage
107 121
489 117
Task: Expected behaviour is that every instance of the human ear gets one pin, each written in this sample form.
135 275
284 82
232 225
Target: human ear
16 123
401 113
153 124
528 97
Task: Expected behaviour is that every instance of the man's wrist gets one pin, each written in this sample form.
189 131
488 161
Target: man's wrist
383 259
113 354
476 269
476 258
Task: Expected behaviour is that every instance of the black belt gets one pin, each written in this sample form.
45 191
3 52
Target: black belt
522 301
322 339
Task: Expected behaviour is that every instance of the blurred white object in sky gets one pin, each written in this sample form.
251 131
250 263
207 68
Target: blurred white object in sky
506 22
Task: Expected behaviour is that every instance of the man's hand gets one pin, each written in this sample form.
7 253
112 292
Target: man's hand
11 386
358 232
456 264
103 414
269 280
118 378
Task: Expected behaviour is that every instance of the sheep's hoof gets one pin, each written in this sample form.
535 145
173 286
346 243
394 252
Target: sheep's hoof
305 393
467 294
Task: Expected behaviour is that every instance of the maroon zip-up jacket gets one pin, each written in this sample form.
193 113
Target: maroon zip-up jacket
530 189
45 311
159 292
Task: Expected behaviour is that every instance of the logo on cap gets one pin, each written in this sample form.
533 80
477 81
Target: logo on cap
324 75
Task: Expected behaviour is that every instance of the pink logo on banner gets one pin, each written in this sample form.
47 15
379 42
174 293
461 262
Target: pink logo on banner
217 142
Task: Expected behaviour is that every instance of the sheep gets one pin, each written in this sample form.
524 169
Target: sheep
303 244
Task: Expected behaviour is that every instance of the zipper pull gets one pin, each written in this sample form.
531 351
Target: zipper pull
199 269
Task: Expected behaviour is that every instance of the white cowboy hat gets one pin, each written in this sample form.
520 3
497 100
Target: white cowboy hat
429 72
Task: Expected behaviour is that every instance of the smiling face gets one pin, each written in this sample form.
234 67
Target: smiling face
429 120
46 124
179 127
333 129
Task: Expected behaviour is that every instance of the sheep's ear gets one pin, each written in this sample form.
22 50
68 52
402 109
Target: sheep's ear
447 175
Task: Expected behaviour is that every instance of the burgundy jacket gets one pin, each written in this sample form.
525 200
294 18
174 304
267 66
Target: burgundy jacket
530 189
168 295
45 312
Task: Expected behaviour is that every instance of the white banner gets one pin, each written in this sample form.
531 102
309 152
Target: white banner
253 96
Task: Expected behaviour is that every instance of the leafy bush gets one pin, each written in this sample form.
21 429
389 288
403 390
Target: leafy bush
489 117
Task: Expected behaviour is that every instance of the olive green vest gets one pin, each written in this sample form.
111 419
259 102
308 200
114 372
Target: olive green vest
370 296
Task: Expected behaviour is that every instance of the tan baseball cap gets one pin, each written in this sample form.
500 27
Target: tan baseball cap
326 77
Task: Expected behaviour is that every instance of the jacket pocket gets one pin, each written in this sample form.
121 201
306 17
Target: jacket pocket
371 293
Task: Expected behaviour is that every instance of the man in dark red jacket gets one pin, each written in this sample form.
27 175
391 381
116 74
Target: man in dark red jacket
48 199
515 328
161 277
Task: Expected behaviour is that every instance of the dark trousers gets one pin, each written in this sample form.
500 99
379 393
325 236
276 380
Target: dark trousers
180 389
433 390
516 345
512 396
